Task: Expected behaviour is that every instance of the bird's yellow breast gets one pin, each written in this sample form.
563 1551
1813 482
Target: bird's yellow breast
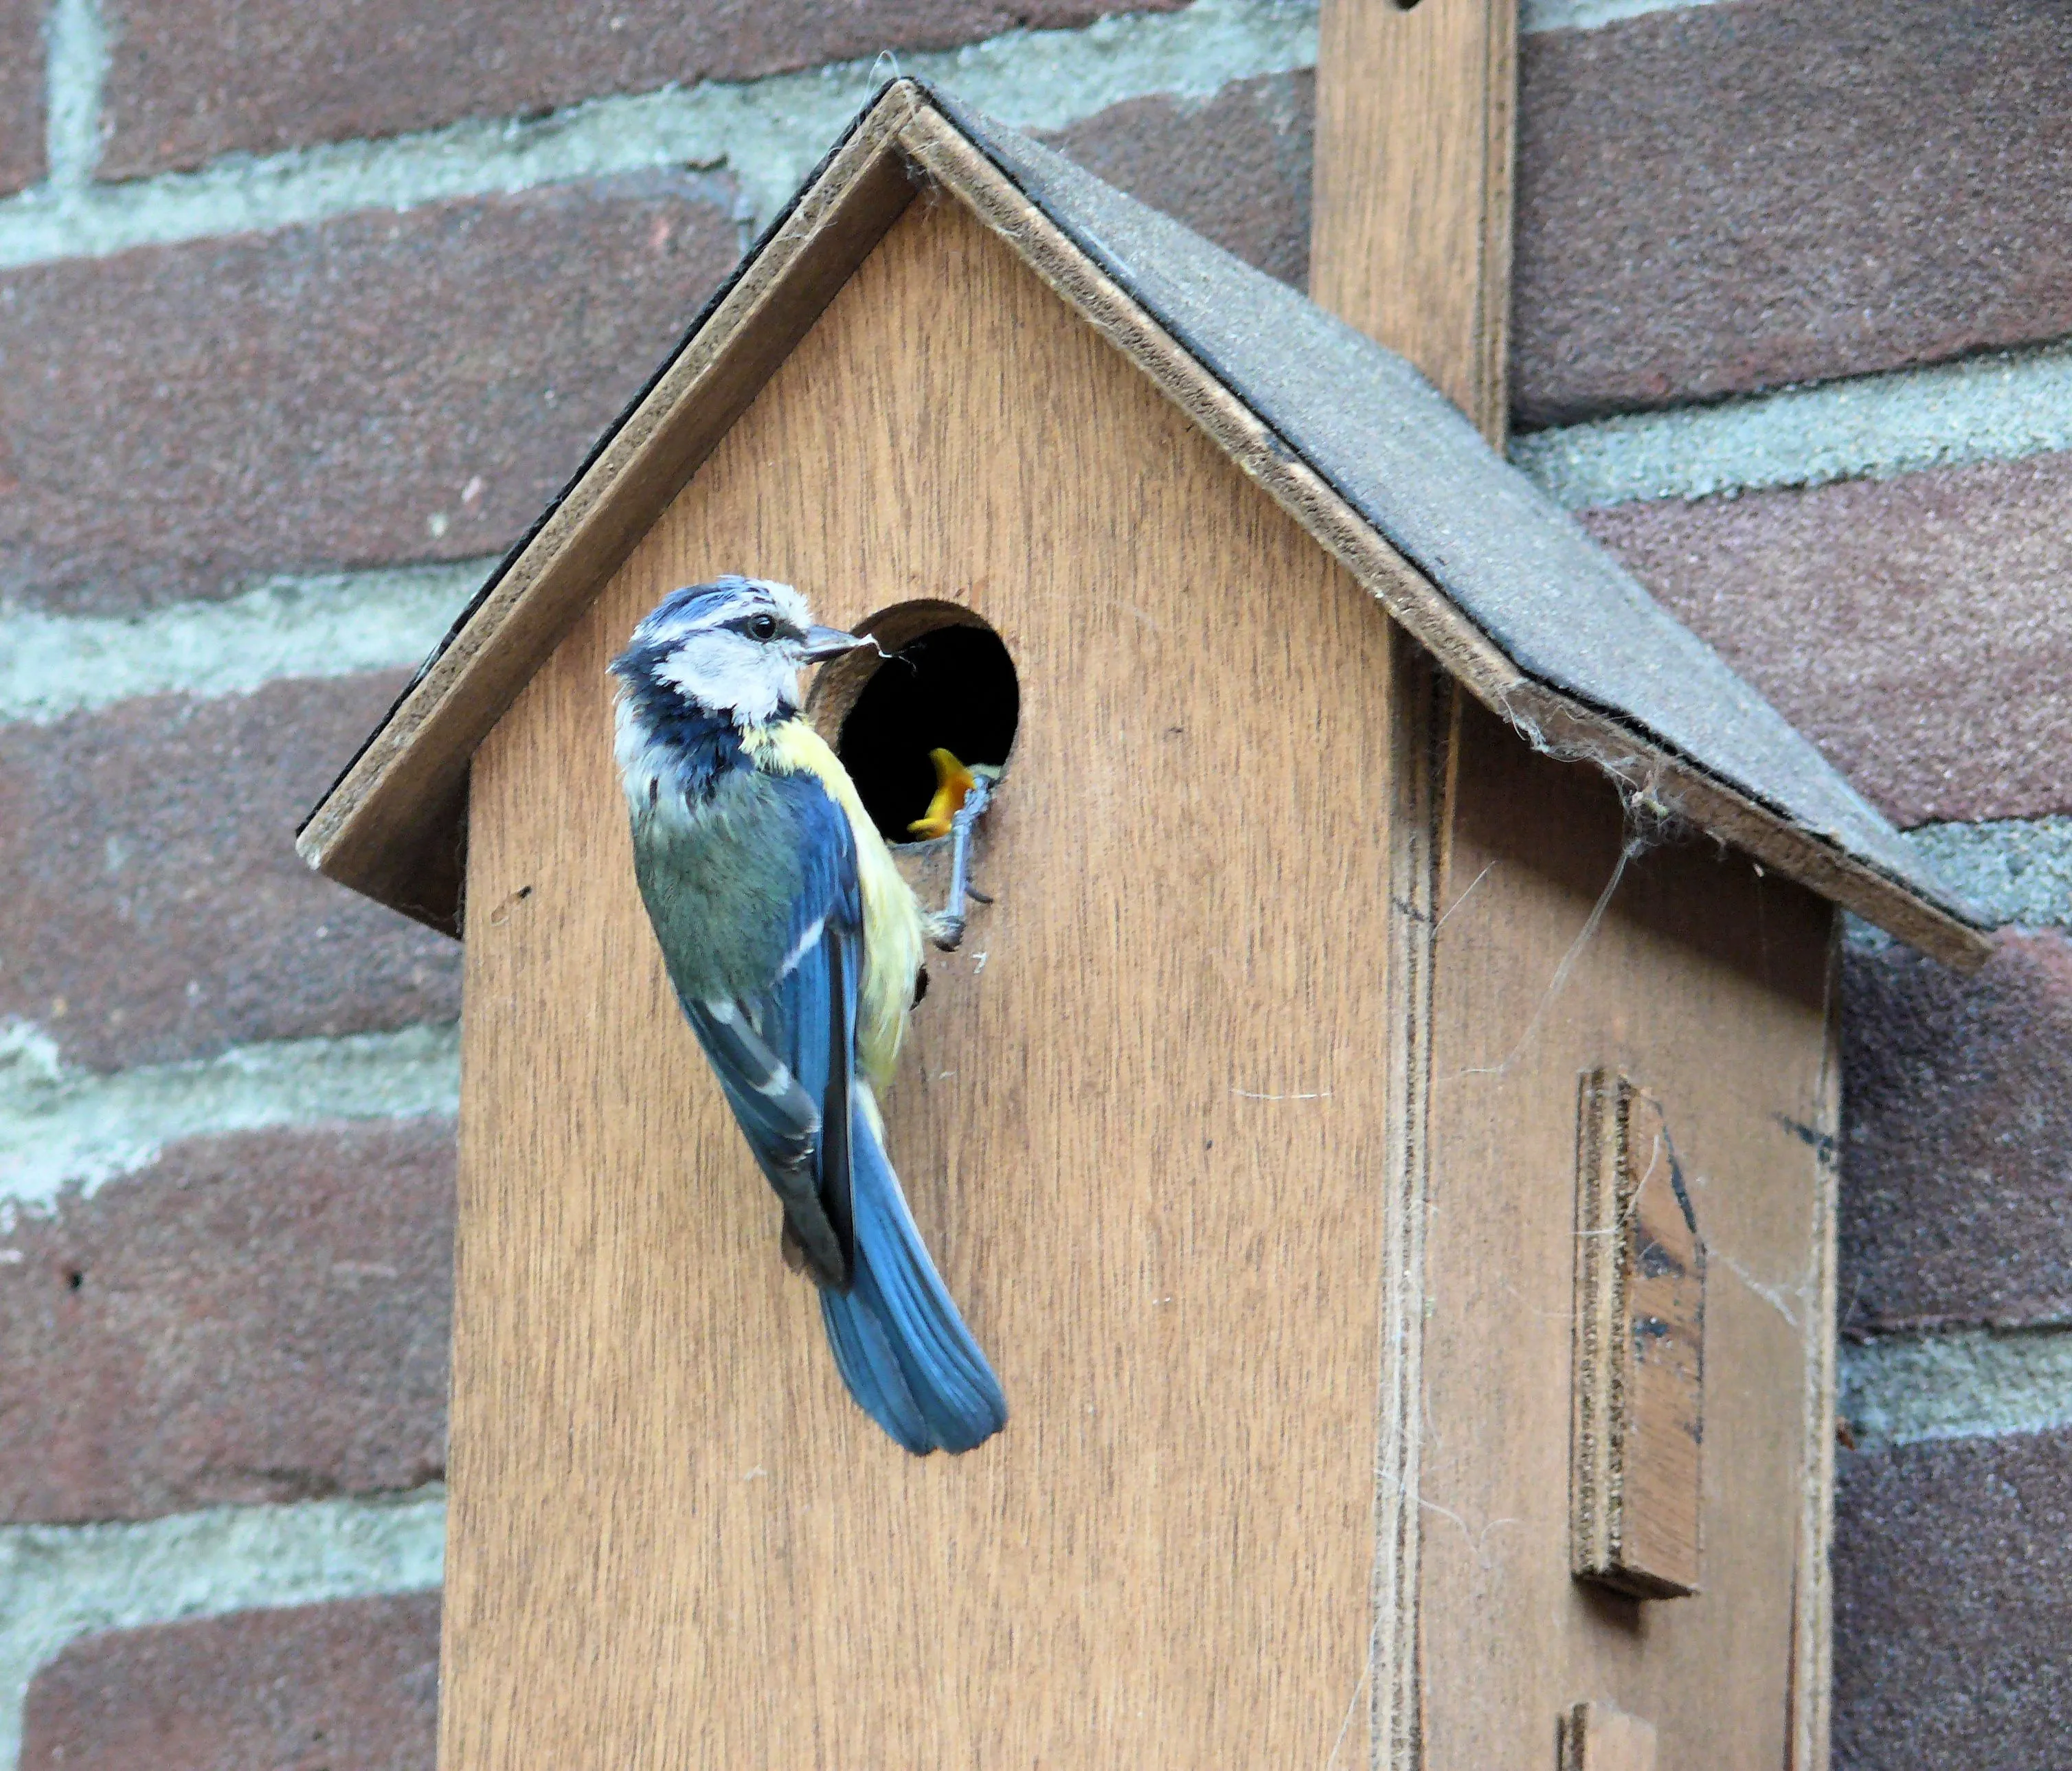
892 928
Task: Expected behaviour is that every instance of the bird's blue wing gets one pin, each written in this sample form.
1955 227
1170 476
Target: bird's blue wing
786 1057
783 1054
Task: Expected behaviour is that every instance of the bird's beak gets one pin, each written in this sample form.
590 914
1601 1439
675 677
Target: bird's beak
828 643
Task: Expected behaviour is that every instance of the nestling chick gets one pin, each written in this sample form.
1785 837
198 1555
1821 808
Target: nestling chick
953 785
793 945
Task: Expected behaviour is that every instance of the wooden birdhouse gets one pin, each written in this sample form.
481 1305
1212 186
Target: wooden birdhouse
1382 1127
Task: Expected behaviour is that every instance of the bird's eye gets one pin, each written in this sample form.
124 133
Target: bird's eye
762 627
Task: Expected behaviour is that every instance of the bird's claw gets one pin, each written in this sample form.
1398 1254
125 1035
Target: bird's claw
946 927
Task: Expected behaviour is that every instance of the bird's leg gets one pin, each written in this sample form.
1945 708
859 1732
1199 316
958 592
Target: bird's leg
946 927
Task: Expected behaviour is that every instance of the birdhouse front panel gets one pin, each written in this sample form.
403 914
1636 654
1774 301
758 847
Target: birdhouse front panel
1142 1122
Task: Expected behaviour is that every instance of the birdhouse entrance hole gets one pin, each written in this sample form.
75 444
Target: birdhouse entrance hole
944 681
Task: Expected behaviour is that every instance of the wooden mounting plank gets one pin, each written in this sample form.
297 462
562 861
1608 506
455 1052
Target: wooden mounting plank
1411 236
1600 1737
1639 1349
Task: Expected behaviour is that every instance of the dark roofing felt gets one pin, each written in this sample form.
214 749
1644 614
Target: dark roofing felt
1516 564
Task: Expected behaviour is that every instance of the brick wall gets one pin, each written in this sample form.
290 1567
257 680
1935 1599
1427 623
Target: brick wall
305 308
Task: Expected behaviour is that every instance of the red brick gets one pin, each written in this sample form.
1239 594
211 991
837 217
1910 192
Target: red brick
192 79
21 93
1959 1155
1953 1584
1721 198
1235 168
261 1316
1914 628
383 386
352 1686
152 905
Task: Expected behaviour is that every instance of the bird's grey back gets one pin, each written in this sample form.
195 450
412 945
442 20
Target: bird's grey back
720 882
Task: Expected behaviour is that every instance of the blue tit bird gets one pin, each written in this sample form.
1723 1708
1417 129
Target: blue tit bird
795 946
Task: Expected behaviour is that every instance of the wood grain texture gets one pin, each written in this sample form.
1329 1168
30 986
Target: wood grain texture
1603 1737
1142 1125
1410 238
1639 1364
1560 949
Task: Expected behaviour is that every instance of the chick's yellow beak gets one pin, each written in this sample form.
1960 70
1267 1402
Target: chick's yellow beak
953 781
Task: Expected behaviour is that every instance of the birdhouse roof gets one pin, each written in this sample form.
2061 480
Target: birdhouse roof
1536 619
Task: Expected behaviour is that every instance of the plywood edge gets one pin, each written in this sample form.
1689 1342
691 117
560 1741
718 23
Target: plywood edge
1547 718
392 826
1422 710
1812 1591
1593 1380
1498 231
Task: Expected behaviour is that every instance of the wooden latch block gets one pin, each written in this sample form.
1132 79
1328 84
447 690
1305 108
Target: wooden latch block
1603 1737
1639 1408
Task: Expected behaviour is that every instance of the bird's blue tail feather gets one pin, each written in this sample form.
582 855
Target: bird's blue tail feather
900 1346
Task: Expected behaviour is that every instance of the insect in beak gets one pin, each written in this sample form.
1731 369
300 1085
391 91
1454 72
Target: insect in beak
830 643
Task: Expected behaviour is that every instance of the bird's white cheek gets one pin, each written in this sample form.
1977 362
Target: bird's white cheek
729 672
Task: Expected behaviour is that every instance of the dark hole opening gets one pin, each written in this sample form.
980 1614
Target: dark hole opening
953 688
74 1279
